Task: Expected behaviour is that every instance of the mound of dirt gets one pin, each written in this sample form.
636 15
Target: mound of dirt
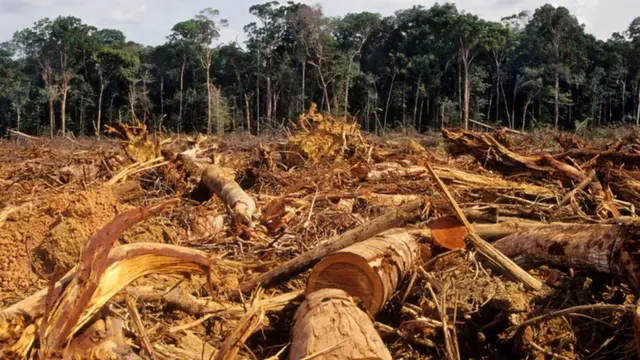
49 234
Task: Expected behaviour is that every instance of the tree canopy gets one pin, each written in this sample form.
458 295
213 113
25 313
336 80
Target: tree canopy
421 68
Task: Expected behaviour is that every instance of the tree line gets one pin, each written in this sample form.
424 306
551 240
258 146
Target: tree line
420 69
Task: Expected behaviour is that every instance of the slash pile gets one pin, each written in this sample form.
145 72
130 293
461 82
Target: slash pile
327 245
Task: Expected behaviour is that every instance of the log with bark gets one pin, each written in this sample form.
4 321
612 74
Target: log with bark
329 325
214 181
607 248
370 270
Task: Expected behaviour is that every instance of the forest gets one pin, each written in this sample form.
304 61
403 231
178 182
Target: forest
422 68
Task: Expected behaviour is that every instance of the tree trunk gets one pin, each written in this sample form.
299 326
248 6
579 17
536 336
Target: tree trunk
303 94
161 95
181 109
467 92
209 100
99 121
132 99
359 271
63 110
638 112
330 323
524 113
460 107
488 119
248 111
18 113
346 87
624 98
609 249
498 85
258 102
513 104
52 118
557 100
386 109
219 119
415 103
269 98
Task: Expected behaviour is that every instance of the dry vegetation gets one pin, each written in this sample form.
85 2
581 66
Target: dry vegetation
329 244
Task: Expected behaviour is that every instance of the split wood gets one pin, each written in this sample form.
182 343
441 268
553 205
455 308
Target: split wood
282 273
499 260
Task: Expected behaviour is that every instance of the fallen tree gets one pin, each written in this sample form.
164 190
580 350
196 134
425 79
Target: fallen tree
329 325
370 270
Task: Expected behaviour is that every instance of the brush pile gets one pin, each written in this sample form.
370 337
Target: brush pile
328 245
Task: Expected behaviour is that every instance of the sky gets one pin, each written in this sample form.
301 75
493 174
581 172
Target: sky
150 21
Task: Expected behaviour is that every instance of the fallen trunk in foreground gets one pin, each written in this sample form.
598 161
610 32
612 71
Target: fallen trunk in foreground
329 325
370 270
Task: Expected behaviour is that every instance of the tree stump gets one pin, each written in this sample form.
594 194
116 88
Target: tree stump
329 325
370 270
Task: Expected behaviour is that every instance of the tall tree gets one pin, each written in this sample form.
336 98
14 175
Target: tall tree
556 35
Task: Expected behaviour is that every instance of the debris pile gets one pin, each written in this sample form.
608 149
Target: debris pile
328 245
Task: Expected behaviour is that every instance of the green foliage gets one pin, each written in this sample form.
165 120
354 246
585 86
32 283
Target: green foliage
419 68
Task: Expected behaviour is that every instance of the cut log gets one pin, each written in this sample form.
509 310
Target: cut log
214 181
605 248
329 325
382 223
370 270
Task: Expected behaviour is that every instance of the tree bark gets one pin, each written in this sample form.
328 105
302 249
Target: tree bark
609 249
207 64
386 109
330 323
467 94
181 109
557 99
161 95
370 270
99 121
498 85
638 112
524 113
63 110
304 77
52 118
248 111
269 98
415 102
18 113
214 181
